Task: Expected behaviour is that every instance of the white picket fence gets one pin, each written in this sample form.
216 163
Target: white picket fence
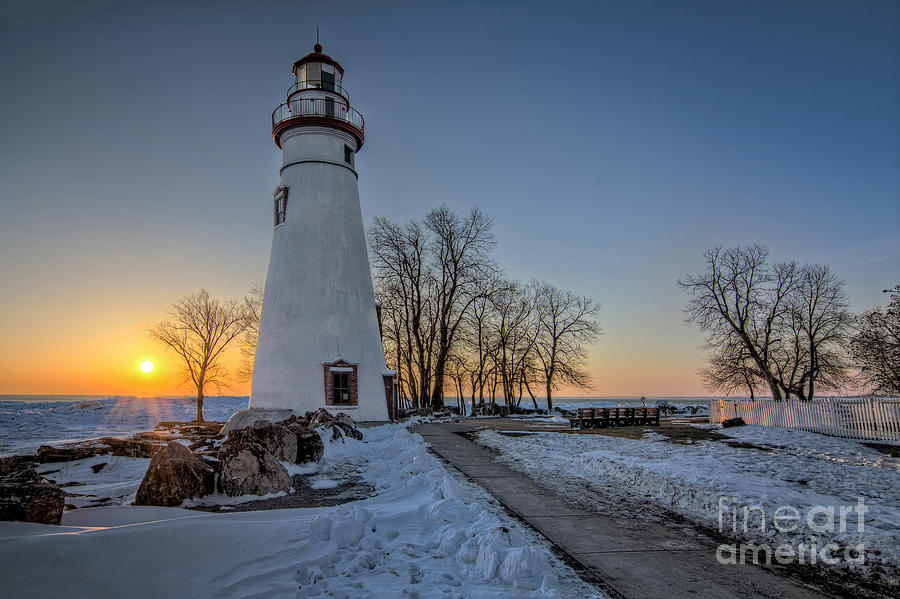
854 418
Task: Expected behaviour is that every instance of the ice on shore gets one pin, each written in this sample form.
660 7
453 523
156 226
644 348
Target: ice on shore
24 426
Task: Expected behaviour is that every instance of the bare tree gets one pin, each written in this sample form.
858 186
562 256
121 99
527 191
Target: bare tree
428 277
739 300
566 324
784 324
876 345
404 285
199 329
250 337
820 317
479 324
515 334
461 248
730 369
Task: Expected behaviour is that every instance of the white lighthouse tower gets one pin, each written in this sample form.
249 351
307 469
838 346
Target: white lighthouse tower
319 339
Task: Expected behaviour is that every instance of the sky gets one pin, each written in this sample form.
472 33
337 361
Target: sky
611 142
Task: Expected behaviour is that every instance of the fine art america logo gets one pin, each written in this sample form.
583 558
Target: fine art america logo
735 520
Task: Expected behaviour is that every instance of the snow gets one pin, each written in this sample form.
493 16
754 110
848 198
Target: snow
26 425
118 479
425 533
792 468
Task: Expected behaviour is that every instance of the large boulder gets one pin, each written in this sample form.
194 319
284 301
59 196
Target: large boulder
248 468
276 438
175 474
27 496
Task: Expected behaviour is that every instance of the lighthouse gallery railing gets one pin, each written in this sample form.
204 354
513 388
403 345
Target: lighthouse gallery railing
319 107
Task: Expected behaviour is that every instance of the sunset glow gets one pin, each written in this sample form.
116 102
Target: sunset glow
147 366
674 157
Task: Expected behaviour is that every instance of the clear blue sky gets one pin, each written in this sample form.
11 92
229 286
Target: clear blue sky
612 142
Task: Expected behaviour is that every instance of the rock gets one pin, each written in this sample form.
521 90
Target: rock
46 453
249 459
341 425
340 430
132 448
296 421
490 409
98 467
309 444
175 474
28 497
733 422
404 413
348 426
16 463
277 439
319 417
346 419
248 469
244 418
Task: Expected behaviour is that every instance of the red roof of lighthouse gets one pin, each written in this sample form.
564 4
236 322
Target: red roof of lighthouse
317 56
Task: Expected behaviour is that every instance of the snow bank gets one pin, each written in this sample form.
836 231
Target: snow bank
116 480
789 468
426 533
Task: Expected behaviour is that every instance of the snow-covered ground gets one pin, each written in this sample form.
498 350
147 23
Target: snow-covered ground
26 425
795 468
425 533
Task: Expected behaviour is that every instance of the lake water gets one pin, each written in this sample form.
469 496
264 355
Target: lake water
29 421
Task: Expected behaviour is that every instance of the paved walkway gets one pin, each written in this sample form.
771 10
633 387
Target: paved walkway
632 558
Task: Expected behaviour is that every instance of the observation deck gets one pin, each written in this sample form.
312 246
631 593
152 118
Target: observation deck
330 107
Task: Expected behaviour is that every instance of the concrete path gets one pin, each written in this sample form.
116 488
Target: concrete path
632 558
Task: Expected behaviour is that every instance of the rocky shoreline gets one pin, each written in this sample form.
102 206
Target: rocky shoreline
190 461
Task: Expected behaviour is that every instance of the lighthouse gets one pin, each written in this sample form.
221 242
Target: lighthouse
319 339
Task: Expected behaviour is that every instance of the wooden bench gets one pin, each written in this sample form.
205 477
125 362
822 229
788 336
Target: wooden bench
607 417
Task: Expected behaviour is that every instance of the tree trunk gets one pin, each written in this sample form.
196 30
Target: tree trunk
200 404
773 387
533 399
437 394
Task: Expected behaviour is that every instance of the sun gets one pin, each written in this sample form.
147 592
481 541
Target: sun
147 366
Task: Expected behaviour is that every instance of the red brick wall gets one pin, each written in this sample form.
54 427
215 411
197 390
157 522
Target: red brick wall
389 395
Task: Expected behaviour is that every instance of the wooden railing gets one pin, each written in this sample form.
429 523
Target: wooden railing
607 417
873 418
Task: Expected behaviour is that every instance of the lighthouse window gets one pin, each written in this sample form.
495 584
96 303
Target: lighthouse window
281 195
328 81
329 106
341 383
348 155
340 386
